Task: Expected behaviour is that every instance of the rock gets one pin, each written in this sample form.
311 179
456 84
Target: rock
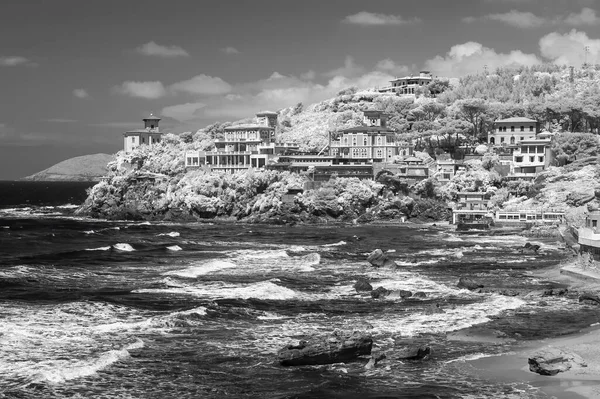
378 259
374 360
362 285
555 292
468 283
335 348
531 247
419 294
417 352
434 308
551 361
542 303
380 292
405 293
589 298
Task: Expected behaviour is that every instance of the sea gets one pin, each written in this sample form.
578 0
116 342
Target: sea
92 308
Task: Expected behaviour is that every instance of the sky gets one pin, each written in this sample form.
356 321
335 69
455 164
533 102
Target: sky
75 75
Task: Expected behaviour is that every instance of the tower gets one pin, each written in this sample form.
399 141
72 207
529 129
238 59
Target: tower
149 135
151 123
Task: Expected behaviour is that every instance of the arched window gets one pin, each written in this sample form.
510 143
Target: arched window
512 139
379 153
492 140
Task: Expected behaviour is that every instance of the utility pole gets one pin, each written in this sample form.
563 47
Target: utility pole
586 51
485 71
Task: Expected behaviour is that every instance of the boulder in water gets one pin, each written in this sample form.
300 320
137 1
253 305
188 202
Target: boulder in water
551 361
380 292
375 358
419 294
589 298
531 247
405 293
415 352
468 283
335 348
362 285
378 259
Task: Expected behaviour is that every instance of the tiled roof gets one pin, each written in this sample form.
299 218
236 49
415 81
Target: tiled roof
248 127
368 129
152 117
266 113
516 120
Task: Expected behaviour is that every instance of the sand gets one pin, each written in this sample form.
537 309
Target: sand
578 382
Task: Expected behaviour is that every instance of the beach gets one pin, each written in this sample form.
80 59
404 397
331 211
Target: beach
581 381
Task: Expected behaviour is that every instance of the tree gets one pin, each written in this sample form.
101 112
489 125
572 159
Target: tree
473 111
186 137
568 147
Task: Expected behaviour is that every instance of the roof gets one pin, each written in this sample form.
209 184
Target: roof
368 129
249 127
412 159
143 131
412 77
372 111
151 118
515 119
261 113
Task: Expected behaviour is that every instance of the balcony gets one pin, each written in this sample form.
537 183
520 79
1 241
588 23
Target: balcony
589 236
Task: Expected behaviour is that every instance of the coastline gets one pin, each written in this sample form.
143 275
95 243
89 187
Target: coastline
581 381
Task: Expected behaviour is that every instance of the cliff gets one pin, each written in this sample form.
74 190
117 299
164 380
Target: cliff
83 168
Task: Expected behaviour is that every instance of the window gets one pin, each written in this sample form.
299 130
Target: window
492 140
531 128
379 140
512 128
512 139
522 138
143 140
151 126
522 128
594 223
379 153
518 159
531 159
501 139
354 141
365 141
132 139
541 159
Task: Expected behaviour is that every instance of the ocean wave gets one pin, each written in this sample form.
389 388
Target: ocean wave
261 290
174 248
65 371
89 232
171 234
99 248
202 269
336 244
123 247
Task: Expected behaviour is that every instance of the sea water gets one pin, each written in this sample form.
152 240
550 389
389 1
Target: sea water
108 309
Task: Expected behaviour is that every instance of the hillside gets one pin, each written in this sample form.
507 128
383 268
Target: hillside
83 168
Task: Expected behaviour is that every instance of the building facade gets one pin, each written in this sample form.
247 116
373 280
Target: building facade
511 131
589 235
531 156
408 85
373 142
149 135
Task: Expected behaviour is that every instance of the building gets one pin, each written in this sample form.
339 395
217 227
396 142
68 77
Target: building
322 167
531 156
195 159
247 146
537 216
408 85
511 131
447 168
589 235
372 142
149 135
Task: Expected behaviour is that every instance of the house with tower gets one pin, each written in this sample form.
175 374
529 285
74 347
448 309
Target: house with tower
149 135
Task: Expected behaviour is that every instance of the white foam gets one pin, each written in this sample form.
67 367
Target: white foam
98 249
202 269
174 248
171 234
260 290
62 371
89 232
336 244
123 247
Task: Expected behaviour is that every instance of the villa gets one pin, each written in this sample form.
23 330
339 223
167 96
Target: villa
510 131
149 135
408 85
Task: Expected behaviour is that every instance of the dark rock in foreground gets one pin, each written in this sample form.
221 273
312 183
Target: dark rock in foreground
551 361
336 348
376 358
468 283
417 352
378 259
362 285
589 298
380 292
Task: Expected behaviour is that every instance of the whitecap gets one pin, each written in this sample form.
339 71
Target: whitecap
171 234
261 290
123 247
98 249
89 232
204 268
65 371
336 244
174 248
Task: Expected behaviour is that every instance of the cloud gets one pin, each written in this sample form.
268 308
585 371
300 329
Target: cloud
350 68
518 19
391 67
80 93
202 84
158 50
473 57
60 120
183 112
230 50
569 48
148 90
366 18
587 16
15 60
